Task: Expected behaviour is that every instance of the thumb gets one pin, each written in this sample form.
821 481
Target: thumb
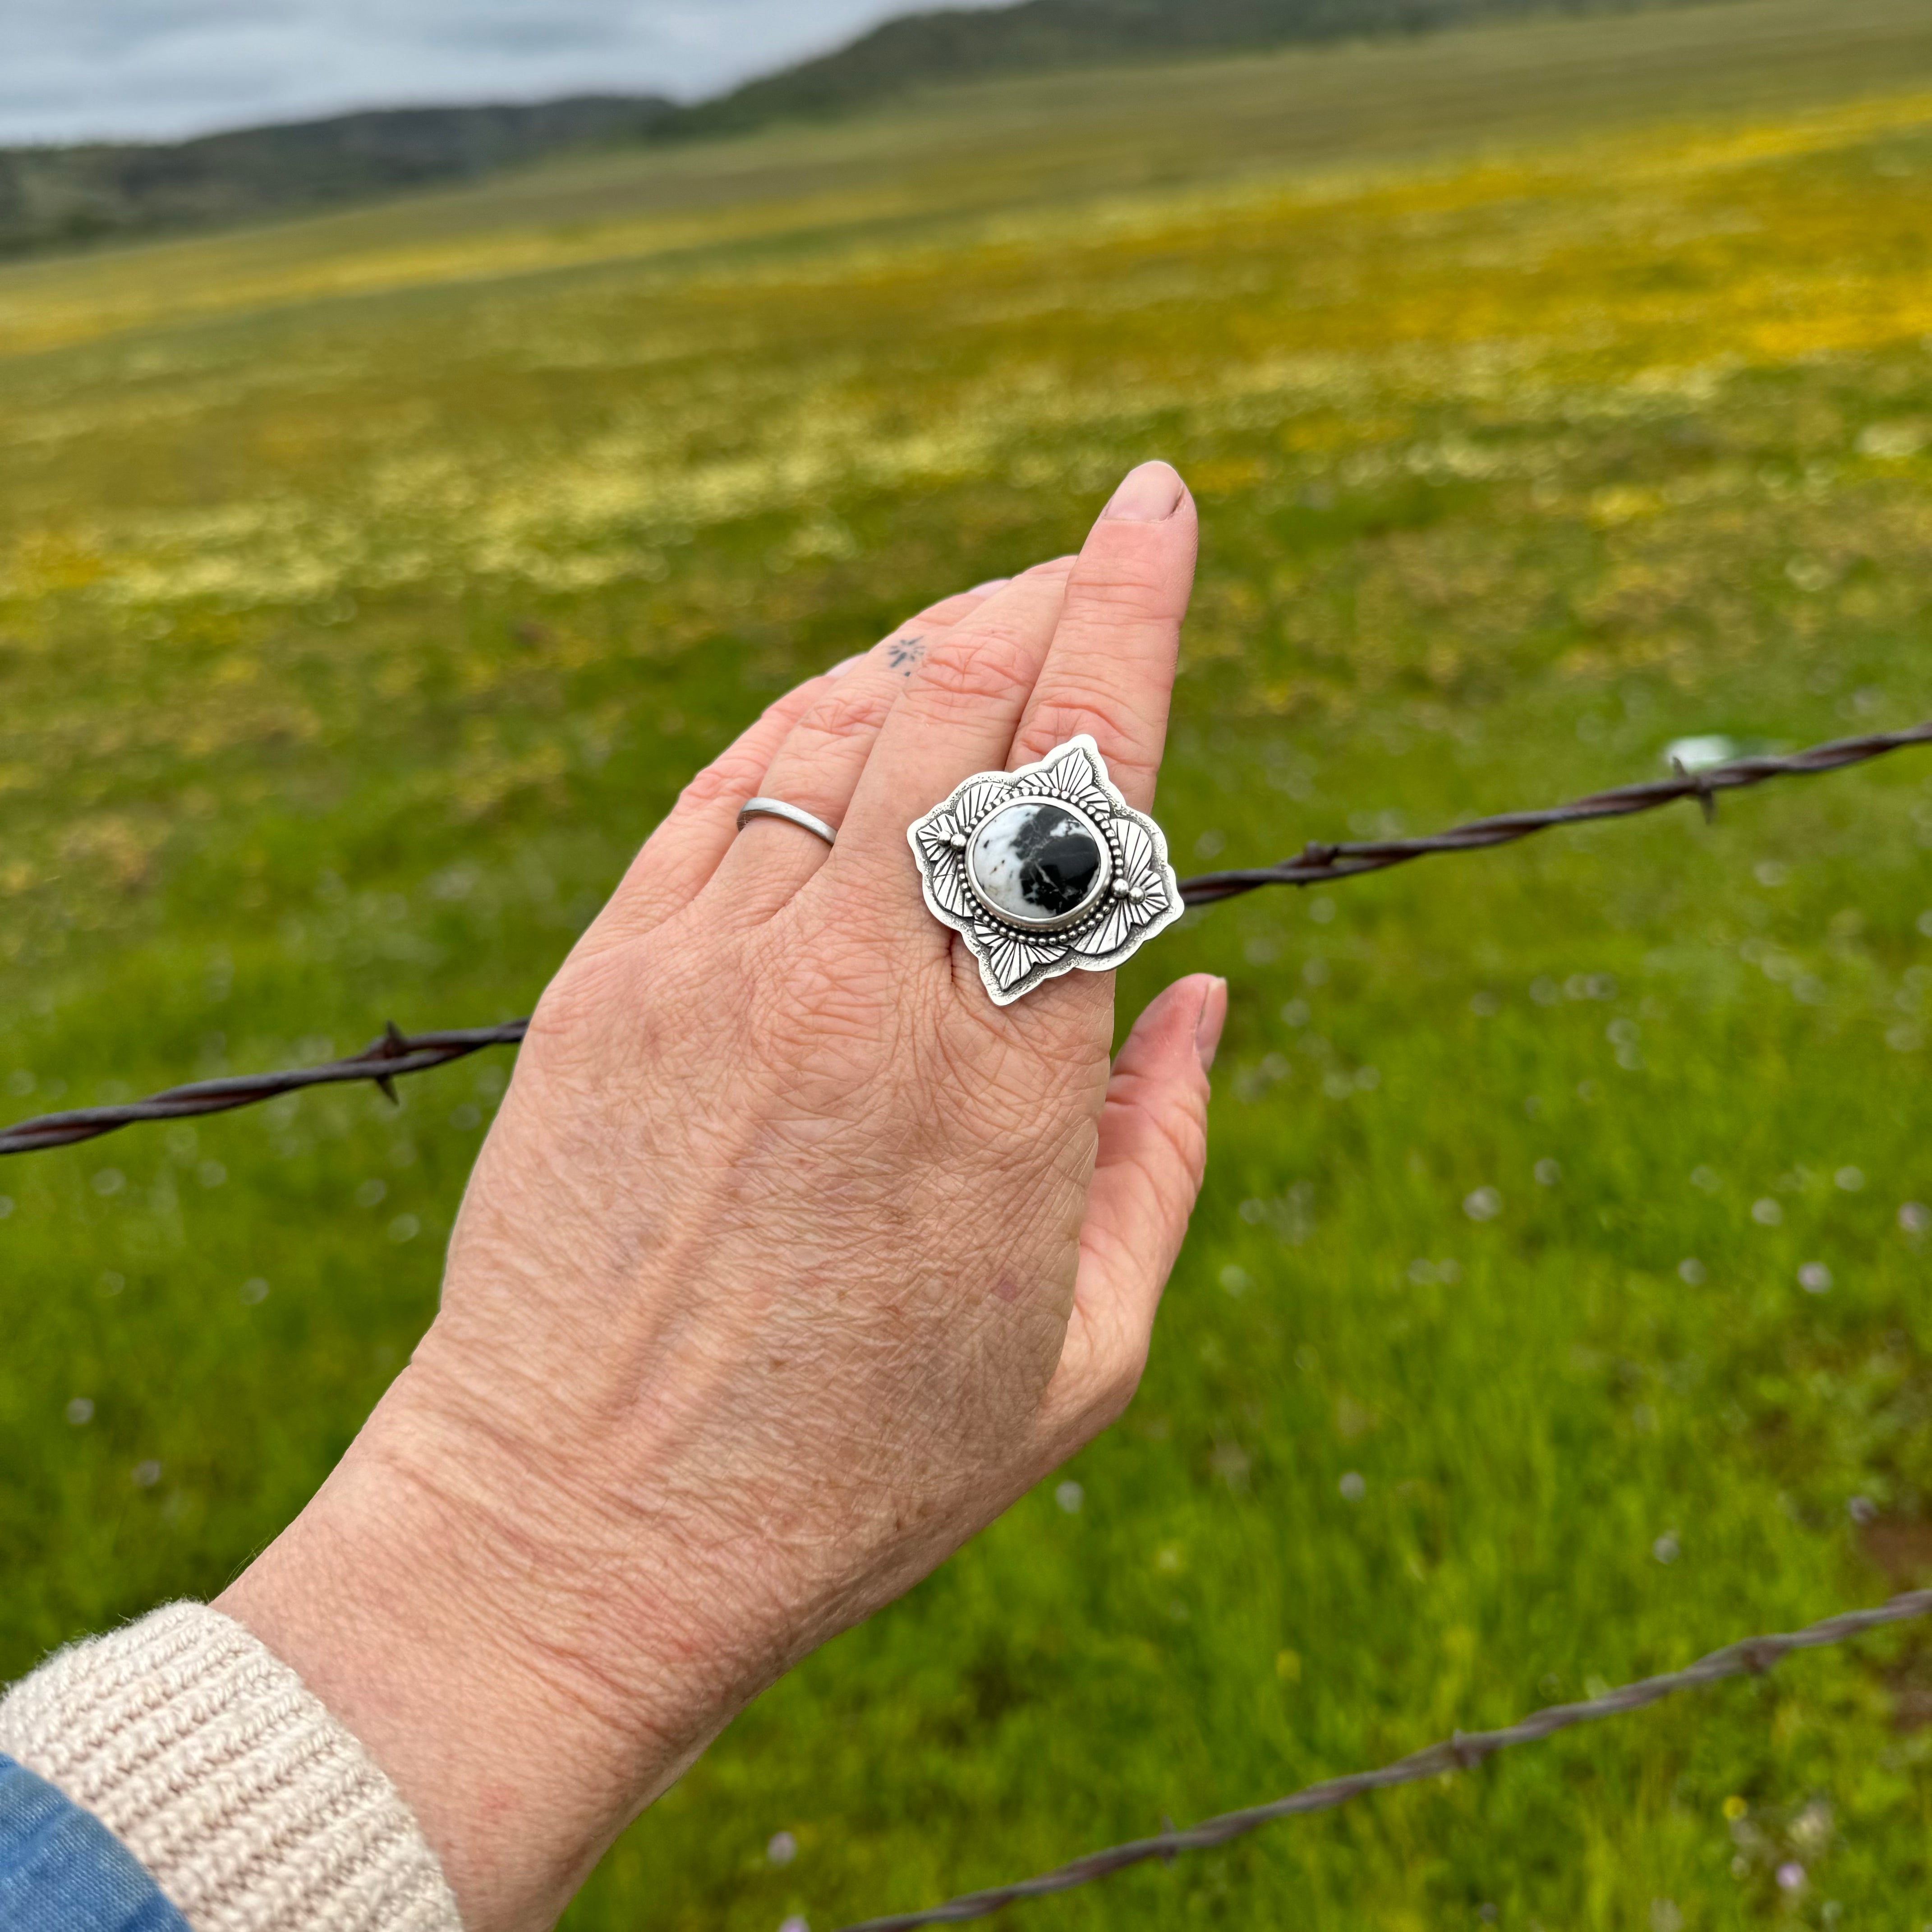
1152 1152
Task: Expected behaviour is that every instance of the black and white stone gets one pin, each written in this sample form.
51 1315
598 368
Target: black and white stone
1038 863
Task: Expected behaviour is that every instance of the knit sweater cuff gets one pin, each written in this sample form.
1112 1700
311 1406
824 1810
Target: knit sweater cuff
206 1755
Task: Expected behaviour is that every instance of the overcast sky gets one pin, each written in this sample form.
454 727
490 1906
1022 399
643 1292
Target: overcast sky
80 70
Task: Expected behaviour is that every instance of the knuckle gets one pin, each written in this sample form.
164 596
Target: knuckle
725 779
574 1008
1111 722
1132 584
967 669
843 715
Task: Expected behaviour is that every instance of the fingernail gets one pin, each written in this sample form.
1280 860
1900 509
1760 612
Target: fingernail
846 663
991 583
1146 495
1208 1027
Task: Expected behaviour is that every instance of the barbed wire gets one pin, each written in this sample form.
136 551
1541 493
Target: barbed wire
1462 1751
1318 862
381 1061
396 1053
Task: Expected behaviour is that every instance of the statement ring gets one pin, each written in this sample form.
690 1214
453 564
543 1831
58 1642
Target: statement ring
792 814
1044 869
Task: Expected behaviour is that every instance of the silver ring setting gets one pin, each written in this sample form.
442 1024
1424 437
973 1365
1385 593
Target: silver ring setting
792 814
1044 869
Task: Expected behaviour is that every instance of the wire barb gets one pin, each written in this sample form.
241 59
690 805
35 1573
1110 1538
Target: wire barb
1462 1751
389 1058
391 1046
383 1061
1706 802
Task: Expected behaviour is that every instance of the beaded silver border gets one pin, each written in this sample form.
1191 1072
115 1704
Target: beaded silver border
1141 898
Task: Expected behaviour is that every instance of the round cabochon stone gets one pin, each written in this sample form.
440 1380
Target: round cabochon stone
1038 863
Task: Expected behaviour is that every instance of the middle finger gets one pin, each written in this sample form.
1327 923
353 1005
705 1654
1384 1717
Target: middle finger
1100 658
817 763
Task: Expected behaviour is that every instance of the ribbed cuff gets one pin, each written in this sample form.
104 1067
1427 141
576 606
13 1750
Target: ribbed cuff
207 1757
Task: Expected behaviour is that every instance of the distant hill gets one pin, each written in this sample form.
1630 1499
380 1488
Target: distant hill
958 44
54 197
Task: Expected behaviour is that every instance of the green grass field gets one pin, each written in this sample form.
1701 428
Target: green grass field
368 587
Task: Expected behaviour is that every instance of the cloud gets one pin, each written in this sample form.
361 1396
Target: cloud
160 69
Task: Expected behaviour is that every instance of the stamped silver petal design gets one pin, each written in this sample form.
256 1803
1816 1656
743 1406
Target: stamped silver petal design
944 863
978 796
936 835
1071 776
938 855
1142 868
1111 931
1137 858
1007 957
945 879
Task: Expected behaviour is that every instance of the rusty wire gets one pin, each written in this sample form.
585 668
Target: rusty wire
1462 1752
1318 862
382 1060
396 1053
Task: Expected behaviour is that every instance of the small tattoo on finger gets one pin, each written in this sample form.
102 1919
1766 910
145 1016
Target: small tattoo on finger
903 655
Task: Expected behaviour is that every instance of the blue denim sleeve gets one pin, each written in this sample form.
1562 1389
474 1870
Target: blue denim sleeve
62 1870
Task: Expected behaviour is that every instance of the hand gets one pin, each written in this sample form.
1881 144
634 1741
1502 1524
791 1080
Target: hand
791 1260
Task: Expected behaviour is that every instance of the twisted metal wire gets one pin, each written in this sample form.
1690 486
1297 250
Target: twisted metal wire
1462 1752
396 1053
382 1060
1318 862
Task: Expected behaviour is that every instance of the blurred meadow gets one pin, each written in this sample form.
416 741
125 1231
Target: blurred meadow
1557 1310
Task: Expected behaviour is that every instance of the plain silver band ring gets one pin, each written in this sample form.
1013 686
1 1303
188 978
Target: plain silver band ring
776 808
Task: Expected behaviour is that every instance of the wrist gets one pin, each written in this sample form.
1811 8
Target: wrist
450 1607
